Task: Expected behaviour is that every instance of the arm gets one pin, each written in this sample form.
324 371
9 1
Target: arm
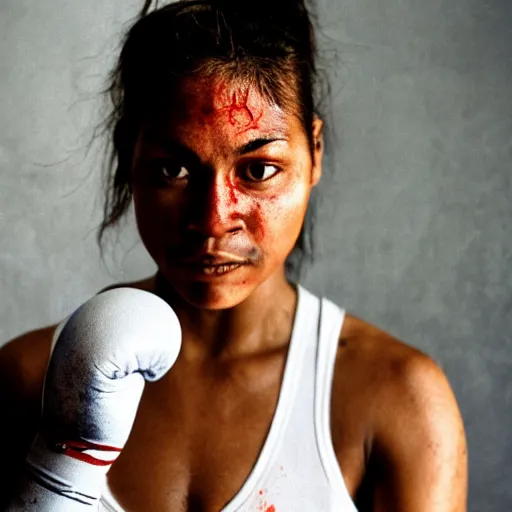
419 448
23 364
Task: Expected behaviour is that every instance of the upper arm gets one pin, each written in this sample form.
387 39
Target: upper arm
419 445
23 363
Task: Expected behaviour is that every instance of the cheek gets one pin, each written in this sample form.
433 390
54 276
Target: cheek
276 221
155 214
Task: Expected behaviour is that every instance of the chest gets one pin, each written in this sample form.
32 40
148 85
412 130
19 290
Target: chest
196 440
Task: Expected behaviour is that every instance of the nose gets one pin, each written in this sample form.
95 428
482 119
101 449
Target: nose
215 208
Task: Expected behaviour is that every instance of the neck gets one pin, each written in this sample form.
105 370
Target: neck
261 323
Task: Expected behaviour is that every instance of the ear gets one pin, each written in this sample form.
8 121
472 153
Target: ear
318 150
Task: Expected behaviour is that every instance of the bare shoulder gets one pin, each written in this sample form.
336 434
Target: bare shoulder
380 358
402 402
377 377
23 363
387 368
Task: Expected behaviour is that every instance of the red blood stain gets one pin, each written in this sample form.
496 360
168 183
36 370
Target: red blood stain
259 221
232 194
239 113
264 506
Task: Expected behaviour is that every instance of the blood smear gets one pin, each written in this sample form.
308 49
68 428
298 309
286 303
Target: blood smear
264 507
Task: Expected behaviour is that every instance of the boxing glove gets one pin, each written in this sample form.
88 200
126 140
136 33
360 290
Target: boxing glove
102 356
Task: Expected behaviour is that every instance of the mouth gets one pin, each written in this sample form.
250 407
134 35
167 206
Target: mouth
211 266
217 270
208 263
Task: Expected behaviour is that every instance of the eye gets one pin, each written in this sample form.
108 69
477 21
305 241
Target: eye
171 171
259 171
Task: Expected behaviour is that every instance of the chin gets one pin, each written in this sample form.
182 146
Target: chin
212 291
214 296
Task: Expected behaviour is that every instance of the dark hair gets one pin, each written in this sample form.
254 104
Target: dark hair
267 46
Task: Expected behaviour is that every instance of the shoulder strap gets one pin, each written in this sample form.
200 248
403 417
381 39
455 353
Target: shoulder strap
331 321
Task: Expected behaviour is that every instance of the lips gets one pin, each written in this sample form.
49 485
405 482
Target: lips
213 259
212 267
211 270
206 262
213 253
224 257
219 261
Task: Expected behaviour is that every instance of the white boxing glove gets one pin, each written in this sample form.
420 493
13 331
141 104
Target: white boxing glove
103 354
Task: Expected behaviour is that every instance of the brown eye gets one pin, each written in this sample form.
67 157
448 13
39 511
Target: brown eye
173 171
258 171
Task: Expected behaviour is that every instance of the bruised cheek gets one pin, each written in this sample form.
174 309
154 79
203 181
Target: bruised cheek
276 221
256 221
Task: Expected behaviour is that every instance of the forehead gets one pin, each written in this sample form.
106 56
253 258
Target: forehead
215 110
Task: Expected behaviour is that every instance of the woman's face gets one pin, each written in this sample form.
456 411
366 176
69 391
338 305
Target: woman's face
220 188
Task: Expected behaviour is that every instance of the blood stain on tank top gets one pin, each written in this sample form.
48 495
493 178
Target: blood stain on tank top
265 507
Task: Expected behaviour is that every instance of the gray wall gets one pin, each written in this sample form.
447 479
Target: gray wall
414 231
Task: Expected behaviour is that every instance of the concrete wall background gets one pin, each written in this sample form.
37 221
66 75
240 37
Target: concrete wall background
414 231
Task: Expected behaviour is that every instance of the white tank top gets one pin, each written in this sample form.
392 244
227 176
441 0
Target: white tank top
297 468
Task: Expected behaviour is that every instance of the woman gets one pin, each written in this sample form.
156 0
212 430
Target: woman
278 400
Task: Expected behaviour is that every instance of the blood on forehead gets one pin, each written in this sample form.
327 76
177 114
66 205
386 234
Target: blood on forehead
225 108
242 106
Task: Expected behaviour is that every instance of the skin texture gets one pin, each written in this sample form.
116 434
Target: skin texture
396 428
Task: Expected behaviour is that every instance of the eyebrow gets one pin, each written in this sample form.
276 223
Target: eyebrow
255 144
173 146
